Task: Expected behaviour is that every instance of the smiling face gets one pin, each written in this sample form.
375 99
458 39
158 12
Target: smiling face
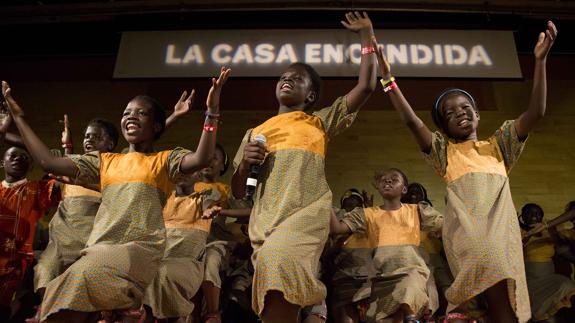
17 163
138 124
459 117
295 87
97 139
391 185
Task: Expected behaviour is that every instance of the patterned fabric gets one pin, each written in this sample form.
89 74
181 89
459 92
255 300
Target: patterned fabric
481 232
182 268
292 204
127 242
401 275
69 228
23 203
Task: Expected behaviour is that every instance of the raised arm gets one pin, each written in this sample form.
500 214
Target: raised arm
67 143
182 107
336 226
38 150
205 150
538 101
419 130
566 216
367 80
5 121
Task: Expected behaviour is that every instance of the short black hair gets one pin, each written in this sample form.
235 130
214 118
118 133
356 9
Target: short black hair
157 110
108 127
226 159
314 77
423 190
532 206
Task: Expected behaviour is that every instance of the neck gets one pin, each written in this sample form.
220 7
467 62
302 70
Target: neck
142 147
391 204
286 109
472 137
184 190
13 179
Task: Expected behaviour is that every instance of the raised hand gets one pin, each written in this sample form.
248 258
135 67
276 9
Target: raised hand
381 60
367 199
545 41
356 22
211 213
13 106
184 103
5 118
213 100
66 136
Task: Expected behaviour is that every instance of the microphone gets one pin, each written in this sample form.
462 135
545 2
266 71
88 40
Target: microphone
252 180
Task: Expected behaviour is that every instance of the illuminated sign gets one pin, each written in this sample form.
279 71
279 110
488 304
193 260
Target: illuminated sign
413 53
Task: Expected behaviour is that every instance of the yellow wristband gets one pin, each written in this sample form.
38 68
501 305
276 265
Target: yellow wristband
385 83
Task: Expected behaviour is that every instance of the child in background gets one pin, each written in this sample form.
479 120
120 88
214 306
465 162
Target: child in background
399 286
481 234
548 291
292 203
23 202
127 242
72 223
351 267
224 236
180 275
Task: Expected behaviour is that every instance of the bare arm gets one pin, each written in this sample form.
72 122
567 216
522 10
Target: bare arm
367 80
336 226
538 101
566 216
214 211
38 150
67 143
420 131
206 146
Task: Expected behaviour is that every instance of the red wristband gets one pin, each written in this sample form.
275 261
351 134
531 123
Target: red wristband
367 50
210 128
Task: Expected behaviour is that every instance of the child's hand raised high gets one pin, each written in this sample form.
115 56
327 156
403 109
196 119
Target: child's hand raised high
5 118
184 104
356 22
381 60
13 106
213 101
545 41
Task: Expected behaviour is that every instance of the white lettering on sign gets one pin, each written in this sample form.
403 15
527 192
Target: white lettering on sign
317 54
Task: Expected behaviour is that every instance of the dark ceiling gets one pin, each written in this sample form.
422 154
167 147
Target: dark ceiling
71 27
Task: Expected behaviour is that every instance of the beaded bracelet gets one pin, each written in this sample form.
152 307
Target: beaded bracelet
212 115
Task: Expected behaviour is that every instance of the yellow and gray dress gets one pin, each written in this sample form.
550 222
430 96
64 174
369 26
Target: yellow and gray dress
69 231
401 274
353 268
481 232
548 291
127 242
182 268
289 222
